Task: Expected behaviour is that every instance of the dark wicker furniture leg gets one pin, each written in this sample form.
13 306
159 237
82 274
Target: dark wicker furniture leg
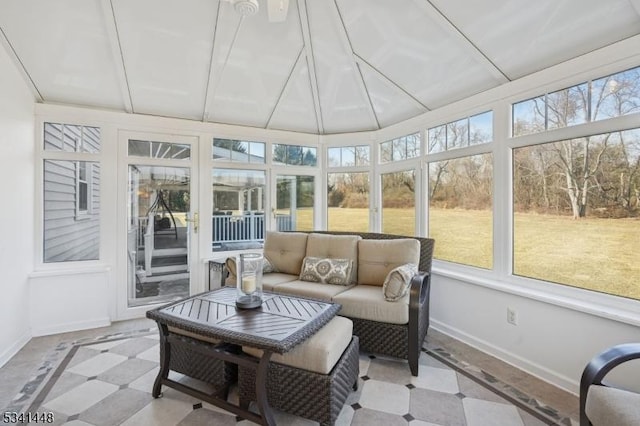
216 357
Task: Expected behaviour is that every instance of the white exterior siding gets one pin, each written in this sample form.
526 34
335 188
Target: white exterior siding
70 234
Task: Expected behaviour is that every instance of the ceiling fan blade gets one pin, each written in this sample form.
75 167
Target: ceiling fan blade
277 10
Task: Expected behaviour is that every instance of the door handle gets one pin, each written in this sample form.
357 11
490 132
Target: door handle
194 221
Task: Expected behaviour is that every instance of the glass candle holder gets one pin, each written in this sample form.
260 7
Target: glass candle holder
249 285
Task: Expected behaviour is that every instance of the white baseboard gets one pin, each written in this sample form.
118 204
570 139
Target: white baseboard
13 349
539 371
71 326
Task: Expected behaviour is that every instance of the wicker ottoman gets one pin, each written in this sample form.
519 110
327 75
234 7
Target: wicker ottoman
314 379
189 357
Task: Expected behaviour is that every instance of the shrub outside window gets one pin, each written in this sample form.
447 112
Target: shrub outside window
348 201
399 203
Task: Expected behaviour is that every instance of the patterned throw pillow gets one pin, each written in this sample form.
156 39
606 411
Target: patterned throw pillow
267 266
327 271
396 284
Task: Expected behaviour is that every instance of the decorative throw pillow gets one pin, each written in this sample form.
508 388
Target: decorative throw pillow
327 271
396 284
267 266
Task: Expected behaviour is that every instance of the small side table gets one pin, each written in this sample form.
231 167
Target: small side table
217 272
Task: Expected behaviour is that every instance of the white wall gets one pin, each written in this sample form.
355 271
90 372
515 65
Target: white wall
16 206
550 341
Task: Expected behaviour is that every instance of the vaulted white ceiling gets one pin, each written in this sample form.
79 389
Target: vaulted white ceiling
332 66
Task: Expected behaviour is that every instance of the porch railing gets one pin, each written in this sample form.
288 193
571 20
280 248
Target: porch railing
248 227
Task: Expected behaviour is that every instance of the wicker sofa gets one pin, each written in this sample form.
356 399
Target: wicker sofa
395 328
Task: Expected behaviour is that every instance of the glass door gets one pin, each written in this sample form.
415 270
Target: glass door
294 197
161 222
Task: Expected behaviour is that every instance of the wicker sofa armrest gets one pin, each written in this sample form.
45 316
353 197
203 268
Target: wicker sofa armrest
418 316
600 366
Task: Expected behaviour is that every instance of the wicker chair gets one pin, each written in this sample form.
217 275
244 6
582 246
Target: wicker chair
400 341
604 405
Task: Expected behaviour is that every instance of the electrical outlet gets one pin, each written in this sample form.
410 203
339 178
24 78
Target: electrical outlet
512 316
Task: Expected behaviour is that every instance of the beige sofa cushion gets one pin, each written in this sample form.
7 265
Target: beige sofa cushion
286 250
376 258
320 352
335 247
272 280
308 289
610 406
367 302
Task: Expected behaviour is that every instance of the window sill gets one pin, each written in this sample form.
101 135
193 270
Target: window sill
602 305
69 270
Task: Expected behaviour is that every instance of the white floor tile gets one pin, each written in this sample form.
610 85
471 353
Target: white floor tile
162 411
151 354
437 379
387 397
482 413
76 423
82 397
144 383
98 364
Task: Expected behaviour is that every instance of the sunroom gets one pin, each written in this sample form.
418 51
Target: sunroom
145 142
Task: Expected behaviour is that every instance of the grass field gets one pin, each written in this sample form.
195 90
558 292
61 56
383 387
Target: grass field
596 254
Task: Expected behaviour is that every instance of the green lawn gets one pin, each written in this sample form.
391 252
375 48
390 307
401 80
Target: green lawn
596 254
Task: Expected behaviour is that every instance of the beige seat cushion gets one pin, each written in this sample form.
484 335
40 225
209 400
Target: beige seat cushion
272 280
367 302
308 289
286 250
376 258
335 247
320 352
609 406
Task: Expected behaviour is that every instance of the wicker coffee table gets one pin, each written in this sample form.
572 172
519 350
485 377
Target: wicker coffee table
279 325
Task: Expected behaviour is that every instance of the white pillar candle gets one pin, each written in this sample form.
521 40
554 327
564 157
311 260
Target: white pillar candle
249 284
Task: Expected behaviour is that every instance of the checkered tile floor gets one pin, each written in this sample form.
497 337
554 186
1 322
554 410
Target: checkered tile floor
107 383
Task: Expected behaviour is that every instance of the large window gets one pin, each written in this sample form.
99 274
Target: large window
400 148
611 96
294 203
71 193
294 155
461 209
238 151
399 203
347 156
348 201
576 209
238 208
467 131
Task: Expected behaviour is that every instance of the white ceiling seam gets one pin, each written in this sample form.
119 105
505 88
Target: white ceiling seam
23 70
111 25
446 24
359 78
284 87
224 65
380 74
311 65
209 88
